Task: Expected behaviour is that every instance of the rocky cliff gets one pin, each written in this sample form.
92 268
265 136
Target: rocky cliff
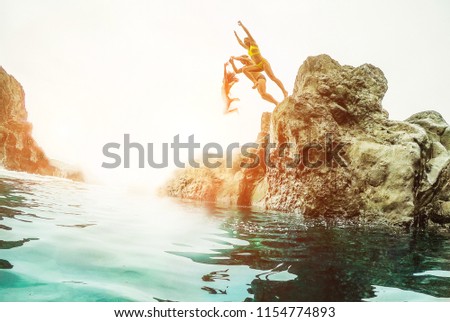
18 150
330 150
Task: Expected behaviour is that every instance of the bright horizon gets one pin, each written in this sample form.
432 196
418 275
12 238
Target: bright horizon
93 71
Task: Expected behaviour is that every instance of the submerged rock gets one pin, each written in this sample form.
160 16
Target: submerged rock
337 154
4 264
18 150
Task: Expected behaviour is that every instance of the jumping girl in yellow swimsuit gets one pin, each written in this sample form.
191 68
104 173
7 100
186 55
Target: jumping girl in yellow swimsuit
260 63
260 79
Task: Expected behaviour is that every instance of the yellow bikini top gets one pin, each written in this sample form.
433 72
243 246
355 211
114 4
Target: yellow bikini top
253 50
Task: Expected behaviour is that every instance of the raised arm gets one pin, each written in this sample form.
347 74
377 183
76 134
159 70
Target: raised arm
243 59
240 41
237 71
246 31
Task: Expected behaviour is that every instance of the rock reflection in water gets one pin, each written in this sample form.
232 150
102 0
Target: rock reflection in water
11 198
322 263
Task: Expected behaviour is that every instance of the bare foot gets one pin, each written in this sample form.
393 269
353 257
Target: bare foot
231 110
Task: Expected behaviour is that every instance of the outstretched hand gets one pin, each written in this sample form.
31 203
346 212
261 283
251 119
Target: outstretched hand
239 23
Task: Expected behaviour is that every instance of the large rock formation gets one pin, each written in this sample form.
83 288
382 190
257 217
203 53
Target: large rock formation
18 150
333 152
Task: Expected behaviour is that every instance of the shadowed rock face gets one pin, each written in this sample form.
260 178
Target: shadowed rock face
338 155
18 150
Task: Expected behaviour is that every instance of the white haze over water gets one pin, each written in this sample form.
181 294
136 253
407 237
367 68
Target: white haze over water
94 70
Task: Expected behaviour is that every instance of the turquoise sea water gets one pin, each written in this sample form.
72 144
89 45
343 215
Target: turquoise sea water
66 241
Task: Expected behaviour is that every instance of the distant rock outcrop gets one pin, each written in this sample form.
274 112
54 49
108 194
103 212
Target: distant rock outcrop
18 150
338 155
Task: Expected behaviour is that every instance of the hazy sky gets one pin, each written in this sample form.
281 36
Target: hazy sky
94 70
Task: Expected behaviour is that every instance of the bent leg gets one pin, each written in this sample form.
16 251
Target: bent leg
271 75
262 91
249 70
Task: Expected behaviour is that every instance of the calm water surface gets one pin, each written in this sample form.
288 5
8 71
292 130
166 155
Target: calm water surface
66 241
